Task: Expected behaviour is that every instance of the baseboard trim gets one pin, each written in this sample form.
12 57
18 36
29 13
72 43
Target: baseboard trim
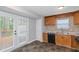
40 40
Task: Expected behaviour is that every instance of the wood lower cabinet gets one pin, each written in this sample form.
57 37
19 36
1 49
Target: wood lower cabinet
74 43
45 37
58 39
67 39
63 40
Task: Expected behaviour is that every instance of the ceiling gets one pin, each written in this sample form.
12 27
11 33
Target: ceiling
50 10
37 11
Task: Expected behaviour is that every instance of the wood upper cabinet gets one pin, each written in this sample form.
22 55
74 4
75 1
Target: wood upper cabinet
76 18
50 20
45 37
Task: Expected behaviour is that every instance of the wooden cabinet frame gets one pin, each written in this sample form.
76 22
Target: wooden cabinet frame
49 21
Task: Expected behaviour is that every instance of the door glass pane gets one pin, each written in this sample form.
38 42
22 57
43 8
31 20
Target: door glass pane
1 22
1 27
6 32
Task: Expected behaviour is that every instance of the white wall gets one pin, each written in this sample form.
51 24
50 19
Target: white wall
39 29
32 29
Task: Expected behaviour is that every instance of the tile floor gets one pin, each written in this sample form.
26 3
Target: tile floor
37 46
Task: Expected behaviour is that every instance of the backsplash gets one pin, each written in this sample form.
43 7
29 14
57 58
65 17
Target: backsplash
76 28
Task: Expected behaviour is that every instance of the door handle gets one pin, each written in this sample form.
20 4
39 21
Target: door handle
15 32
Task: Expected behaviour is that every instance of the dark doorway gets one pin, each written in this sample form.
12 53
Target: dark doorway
51 38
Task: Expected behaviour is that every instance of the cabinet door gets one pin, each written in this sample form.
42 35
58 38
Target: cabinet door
63 40
76 18
74 43
67 39
58 39
45 37
50 21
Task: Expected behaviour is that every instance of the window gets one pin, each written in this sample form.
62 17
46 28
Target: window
63 23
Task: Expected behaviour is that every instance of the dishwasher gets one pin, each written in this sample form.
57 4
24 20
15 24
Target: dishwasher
51 38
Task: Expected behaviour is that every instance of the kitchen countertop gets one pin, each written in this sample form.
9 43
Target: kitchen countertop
66 33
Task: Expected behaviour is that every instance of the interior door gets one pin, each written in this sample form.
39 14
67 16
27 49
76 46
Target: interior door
6 32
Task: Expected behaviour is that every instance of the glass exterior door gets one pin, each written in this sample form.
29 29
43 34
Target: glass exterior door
6 32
